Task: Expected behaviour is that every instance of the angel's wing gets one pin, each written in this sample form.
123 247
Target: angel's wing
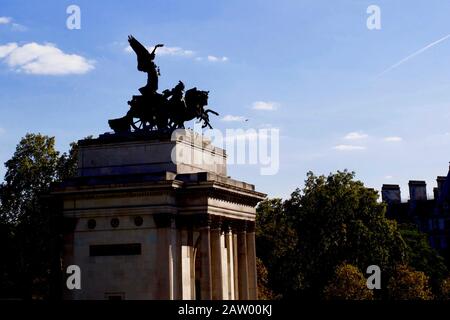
143 56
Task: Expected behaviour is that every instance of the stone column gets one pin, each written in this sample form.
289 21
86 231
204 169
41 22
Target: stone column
242 261
224 252
216 260
251 262
69 256
185 284
194 236
164 274
186 265
205 256
230 262
235 264
177 262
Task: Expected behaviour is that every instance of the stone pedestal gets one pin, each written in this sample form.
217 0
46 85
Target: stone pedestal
157 218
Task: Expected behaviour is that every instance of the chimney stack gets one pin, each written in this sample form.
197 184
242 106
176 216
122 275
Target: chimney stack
440 183
390 193
417 190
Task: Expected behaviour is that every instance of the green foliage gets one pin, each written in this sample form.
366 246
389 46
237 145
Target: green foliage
408 284
338 219
421 256
445 289
67 163
25 217
348 283
264 292
28 173
335 219
8 269
275 243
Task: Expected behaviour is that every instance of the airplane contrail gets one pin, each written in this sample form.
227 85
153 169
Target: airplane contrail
414 54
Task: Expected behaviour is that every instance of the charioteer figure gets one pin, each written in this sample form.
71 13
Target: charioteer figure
176 94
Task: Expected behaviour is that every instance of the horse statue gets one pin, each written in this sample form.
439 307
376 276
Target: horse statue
195 102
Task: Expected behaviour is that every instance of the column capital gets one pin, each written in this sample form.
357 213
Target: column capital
227 225
239 225
202 220
251 226
216 222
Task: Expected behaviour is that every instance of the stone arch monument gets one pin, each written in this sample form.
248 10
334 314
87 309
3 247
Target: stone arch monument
144 219
143 227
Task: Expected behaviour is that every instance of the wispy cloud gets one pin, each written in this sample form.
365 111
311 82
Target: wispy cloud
2 131
348 147
265 105
167 51
355 136
428 46
393 139
18 27
43 59
5 20
231 118
180 52
217 59
13 25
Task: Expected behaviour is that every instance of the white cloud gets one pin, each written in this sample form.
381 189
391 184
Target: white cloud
5 20
265 105
230 118
347 147
7 49
43 59
2 131
174 51
167 51
355 136
180 52
393 139
18 27
217 59
14 26
388 177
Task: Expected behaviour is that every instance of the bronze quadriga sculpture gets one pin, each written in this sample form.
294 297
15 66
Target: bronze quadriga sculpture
166 111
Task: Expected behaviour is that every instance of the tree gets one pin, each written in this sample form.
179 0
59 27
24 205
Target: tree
445 289
408 284
8 263
338 219
264 291
31 235
67 163
348 283
421 256
29 173
275 243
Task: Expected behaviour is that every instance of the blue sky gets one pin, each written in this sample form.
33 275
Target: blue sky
316 61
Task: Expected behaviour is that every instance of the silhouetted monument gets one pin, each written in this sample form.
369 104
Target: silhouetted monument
164 111
152 213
